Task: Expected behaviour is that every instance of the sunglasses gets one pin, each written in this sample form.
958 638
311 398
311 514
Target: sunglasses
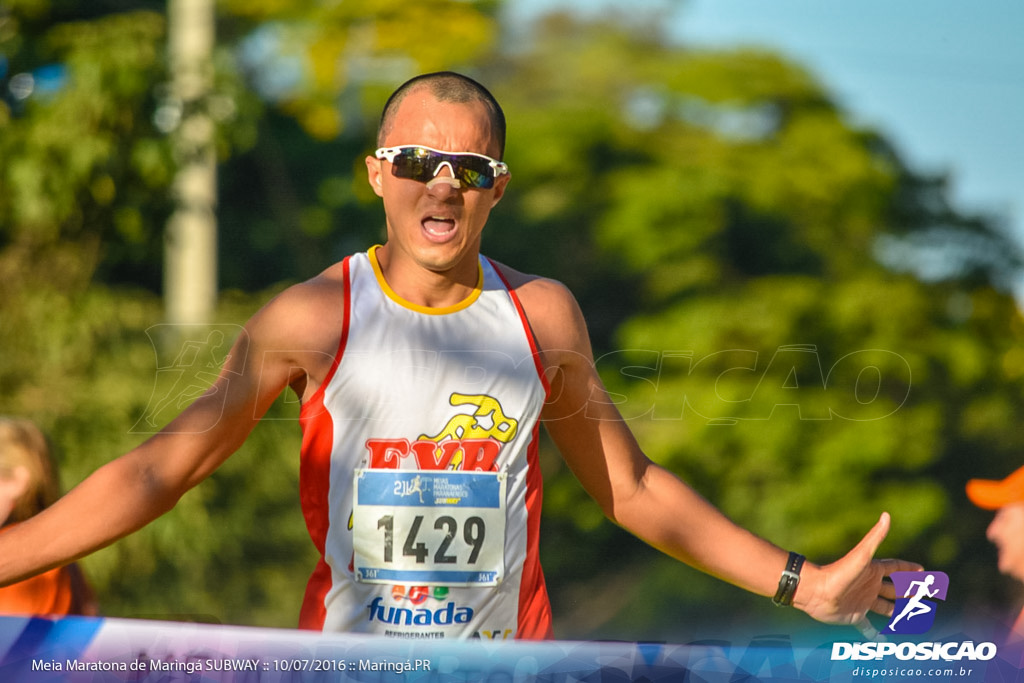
422 164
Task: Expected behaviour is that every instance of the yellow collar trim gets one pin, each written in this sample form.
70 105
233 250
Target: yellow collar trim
391 294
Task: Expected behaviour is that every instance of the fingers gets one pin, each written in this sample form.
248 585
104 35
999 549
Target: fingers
889 566
902 566
883 606
885 602
869 544
861 584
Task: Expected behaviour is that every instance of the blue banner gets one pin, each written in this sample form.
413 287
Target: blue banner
117 650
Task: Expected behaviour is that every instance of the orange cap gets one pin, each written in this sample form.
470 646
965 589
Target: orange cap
993 494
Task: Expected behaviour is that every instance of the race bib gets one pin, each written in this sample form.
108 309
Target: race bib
437 527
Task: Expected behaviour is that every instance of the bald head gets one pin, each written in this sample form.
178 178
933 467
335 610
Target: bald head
446 86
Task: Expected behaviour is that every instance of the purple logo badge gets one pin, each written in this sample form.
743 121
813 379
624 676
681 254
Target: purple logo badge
915 596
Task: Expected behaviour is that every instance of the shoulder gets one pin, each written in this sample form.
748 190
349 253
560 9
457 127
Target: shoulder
551 310
307 316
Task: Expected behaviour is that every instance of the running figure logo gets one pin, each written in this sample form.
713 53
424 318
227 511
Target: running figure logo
915 610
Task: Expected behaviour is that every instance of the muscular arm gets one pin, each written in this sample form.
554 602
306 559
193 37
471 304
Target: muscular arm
657 506
136 488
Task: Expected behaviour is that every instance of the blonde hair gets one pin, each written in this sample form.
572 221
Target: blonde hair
22 444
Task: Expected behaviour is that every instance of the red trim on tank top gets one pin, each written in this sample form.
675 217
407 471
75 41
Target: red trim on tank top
530 338
315 475
535 620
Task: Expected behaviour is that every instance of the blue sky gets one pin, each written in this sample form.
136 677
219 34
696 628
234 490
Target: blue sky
942 79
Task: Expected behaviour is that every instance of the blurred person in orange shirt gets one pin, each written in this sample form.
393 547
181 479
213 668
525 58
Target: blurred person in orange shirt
28 484
1006 497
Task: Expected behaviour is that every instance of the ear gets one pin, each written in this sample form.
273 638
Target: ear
500 183
374 175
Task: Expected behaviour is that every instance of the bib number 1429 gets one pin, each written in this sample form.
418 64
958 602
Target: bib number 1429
437 527
474 532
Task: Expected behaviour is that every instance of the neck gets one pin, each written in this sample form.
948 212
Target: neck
423 286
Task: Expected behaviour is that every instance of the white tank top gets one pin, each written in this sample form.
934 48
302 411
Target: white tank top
419 477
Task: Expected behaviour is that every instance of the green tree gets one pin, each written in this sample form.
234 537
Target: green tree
753 262
85 172
750 263
83 168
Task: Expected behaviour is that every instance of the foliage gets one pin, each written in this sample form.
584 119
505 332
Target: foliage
748 257
90 366
342 47
787 315
84 173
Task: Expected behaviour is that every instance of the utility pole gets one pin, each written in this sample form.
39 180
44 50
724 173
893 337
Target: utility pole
190 241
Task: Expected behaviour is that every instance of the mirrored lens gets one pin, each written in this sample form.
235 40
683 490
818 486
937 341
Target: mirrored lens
414 163
420 164
474 171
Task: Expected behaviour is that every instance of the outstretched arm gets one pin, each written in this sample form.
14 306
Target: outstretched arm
136 488
657 506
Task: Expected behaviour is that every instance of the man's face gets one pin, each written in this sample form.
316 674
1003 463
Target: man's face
436 226
1007 533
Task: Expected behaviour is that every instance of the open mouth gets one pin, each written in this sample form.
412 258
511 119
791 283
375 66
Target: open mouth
439 226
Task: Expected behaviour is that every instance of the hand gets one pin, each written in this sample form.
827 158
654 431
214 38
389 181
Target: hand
846 590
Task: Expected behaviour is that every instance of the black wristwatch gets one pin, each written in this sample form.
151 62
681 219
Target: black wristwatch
789 580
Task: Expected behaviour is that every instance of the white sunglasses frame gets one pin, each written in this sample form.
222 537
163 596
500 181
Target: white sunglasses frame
388 154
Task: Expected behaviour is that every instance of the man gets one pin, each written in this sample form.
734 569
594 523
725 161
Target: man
425 368
1006 531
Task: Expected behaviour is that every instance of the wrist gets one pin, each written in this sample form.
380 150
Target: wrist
807 592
